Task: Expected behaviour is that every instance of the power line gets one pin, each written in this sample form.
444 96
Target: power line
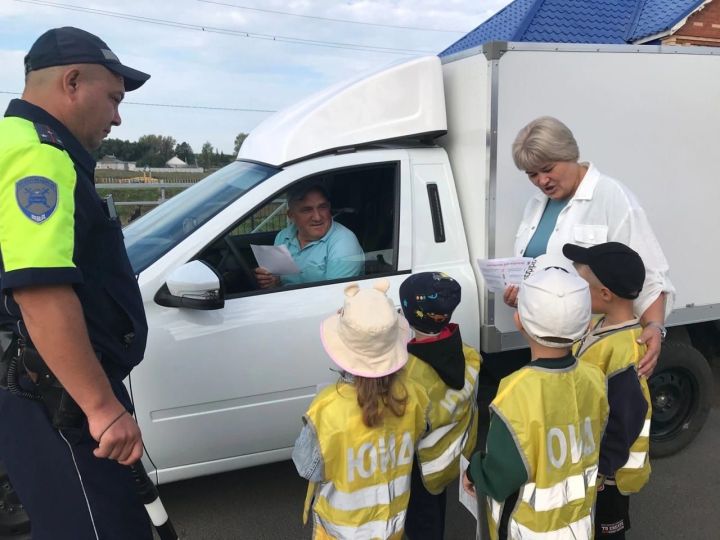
237 109
228 31
177 106
331 19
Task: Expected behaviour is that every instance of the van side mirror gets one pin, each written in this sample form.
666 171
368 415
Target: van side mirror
195 285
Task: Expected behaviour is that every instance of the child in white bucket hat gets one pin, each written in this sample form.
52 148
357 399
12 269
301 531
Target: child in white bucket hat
358 440
540 468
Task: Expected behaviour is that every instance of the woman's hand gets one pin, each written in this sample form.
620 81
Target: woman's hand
651 337
652 319
510 295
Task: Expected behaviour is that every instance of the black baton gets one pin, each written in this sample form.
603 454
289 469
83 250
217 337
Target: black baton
150 497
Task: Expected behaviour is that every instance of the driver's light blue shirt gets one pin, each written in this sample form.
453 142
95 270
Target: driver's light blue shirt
336 255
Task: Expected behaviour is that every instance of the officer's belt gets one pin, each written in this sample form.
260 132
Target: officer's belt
23 358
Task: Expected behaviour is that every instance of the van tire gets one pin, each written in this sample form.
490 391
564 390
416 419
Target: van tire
14 521
681 390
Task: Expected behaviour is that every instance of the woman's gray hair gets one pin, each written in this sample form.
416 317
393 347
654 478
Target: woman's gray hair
544 140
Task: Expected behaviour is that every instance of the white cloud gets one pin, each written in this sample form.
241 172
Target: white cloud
205 68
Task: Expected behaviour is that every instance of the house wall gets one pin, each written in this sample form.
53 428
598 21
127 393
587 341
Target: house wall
701 28
116 166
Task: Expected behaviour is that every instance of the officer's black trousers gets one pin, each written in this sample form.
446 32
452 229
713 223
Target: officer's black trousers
68 492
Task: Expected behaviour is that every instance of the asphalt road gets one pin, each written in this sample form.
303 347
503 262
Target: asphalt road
265 503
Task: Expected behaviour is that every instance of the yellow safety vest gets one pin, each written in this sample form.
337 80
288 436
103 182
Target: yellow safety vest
45 237
557 418
614 353
366 489
453 421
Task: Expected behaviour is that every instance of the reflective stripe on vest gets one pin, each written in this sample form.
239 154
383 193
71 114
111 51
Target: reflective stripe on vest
494 514
373 530
632 477
558 495
636 460
362 498
614 353
453 420
367 470
448 457
581 529
561 451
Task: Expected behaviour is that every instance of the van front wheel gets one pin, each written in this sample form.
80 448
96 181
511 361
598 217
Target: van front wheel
681 391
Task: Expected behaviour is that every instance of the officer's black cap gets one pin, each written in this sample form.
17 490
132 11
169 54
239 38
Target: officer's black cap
618 267
68 45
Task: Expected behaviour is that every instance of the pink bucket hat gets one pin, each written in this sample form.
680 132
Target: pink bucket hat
368 337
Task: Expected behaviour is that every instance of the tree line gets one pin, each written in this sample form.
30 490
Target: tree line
156 150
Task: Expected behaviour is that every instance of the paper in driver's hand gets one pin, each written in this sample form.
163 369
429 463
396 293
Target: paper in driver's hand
275 259
499 273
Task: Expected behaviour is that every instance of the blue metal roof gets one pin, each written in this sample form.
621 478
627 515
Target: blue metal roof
500 27
578 21
656 17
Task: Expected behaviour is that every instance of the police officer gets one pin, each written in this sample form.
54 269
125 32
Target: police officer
67 284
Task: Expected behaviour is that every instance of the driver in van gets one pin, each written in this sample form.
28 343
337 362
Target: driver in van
322 248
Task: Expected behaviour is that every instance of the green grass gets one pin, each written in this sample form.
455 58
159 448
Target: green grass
129 195
109 175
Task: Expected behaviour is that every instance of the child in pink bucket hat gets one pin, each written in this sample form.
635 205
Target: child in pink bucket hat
359 436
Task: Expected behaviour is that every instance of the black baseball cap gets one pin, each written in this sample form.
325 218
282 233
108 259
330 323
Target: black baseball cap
618 267
68 45
428 300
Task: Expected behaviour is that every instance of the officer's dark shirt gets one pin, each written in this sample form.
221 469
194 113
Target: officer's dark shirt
102 278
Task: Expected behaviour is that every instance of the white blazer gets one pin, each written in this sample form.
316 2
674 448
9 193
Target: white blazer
604 210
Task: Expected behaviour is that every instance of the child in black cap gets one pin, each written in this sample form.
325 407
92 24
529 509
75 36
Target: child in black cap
448 370
616 274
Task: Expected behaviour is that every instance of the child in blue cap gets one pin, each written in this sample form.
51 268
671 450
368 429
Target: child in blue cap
447 369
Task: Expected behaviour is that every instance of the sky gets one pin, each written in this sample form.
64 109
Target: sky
218 66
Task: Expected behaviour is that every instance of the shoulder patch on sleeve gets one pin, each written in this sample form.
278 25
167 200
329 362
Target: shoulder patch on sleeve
48 136
37 197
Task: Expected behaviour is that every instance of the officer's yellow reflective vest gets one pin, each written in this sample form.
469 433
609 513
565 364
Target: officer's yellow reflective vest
616 352
367 471
44 238
557 418
453 421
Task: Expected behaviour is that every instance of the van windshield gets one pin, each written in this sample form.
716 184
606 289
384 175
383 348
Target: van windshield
148 238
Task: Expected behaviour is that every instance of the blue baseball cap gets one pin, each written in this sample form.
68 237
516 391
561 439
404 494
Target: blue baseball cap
68 45
428 300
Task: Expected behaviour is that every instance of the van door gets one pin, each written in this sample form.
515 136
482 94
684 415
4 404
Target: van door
227 388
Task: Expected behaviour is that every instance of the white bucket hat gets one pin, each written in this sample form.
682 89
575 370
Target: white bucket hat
554 302
368 337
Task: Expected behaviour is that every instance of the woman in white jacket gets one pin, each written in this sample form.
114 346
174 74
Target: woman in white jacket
580 205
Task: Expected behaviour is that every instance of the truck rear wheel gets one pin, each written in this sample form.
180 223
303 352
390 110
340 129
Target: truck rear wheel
14 521
681 390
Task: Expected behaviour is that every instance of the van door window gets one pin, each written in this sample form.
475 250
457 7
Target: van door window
340 225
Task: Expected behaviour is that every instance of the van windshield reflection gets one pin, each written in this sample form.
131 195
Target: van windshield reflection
151 236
